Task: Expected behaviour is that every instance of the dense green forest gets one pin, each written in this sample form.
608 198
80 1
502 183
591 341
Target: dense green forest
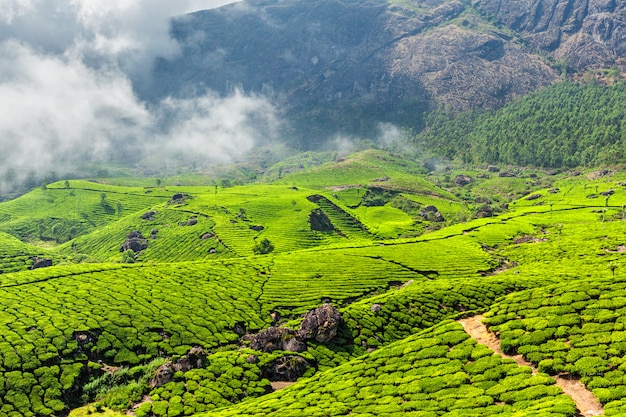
566 125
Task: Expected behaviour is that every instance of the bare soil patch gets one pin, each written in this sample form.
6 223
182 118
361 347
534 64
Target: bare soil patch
277 385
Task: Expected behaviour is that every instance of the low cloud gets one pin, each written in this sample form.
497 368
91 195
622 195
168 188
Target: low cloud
211 129
387 136
56 113
67 91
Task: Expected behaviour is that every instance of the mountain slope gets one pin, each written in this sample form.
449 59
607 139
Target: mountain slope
584 33
345 67
565 125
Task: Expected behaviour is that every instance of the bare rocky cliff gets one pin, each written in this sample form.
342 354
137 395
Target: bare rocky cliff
346 66
587 34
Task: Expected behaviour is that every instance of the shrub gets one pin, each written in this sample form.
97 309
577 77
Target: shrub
144 410
263 247
159 408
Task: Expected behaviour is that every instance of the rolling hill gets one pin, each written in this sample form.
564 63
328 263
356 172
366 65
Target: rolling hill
204 319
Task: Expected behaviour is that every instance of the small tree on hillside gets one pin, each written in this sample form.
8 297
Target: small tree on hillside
263 247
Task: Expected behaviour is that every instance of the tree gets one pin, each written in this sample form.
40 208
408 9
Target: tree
66 184
263 247
57 232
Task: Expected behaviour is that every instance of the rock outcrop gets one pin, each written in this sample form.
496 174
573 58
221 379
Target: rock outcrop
194 359
149 215
41 263
135 242
320 325
163 375
432 213
584 33
463 180
286 368
274 338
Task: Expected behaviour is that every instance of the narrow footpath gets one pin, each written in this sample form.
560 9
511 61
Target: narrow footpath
587 403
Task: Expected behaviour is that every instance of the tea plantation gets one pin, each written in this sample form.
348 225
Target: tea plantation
161 301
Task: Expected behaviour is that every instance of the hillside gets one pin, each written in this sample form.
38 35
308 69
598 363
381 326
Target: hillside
583 34
215 311
565 125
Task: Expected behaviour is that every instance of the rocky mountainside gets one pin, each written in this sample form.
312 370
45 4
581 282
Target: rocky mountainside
585 33
345 67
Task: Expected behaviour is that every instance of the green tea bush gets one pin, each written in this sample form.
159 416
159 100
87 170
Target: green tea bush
584 344
441 385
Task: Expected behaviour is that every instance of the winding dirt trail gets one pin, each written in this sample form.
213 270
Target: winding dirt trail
587 403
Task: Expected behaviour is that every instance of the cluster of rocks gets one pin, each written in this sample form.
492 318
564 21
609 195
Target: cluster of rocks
320 325
432 214
135 242
194 359
148 215
41 263
178 198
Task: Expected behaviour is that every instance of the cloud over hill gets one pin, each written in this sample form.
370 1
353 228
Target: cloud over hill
68 91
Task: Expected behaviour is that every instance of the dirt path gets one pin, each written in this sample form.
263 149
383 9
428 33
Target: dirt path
587 403
145 399
276 385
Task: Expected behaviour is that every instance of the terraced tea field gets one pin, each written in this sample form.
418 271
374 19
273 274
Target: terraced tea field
142 277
